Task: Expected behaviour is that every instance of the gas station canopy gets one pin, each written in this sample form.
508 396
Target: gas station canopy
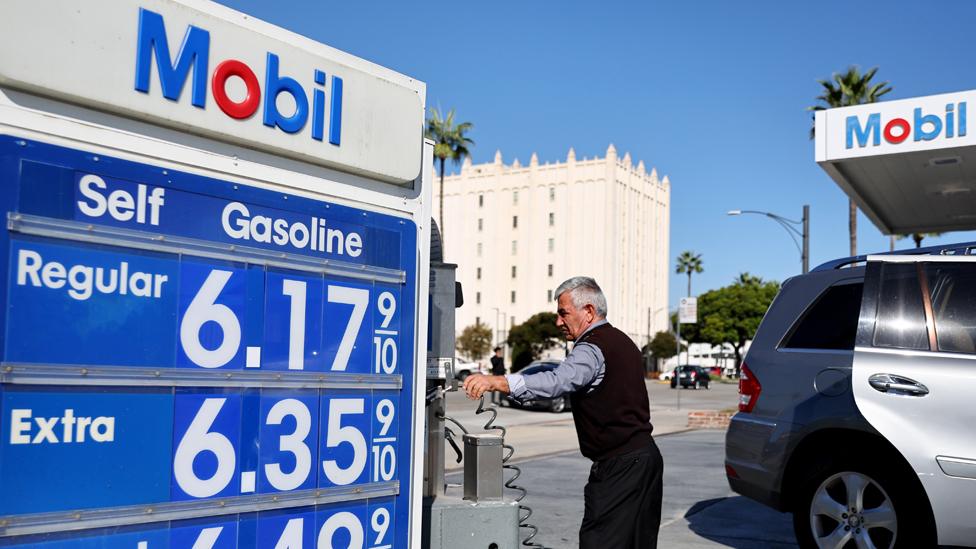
910 165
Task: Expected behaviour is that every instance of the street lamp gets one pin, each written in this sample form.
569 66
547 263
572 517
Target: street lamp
790 226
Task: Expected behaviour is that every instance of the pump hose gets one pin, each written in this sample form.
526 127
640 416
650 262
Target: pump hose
510 483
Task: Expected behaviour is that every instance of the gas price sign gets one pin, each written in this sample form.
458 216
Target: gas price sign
194 362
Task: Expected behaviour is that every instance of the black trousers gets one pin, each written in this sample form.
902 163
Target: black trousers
622 501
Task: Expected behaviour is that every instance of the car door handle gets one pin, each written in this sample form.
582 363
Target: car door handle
898 385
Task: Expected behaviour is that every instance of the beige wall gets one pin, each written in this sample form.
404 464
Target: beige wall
610 220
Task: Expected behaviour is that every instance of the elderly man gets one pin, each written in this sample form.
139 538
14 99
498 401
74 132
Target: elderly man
603 373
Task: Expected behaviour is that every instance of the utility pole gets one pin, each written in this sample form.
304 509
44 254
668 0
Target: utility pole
806 238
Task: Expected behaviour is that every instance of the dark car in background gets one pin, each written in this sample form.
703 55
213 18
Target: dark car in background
554 405
690 376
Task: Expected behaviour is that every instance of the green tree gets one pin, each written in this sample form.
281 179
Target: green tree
474 341
662 346
449 143
689 262
919 237
842 90
529 339
732 314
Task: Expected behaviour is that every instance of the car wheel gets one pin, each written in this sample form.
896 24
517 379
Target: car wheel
557 405
856 502
463 375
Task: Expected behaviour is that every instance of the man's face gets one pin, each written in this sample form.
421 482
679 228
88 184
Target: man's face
570 320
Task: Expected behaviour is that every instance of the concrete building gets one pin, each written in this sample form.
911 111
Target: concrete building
517 231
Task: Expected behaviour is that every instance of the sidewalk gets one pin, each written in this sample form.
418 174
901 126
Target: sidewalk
557 436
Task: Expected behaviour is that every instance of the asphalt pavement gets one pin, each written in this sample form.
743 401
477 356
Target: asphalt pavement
699 510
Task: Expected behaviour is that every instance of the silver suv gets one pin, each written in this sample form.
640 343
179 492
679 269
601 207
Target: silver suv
857 407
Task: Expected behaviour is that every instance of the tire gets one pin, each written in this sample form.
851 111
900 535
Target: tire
880 485
463 375
557 405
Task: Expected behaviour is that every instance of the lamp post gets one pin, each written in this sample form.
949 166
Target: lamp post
790 226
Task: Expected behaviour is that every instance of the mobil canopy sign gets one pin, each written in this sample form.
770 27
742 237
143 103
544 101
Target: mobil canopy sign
922 123
206 69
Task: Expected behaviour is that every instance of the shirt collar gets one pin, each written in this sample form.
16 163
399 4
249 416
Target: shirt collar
596 324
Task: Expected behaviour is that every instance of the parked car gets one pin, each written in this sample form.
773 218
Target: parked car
554 405
666 375
690 376
855 402
463 368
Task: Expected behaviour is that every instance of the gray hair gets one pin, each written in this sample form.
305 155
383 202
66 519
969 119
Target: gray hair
583 290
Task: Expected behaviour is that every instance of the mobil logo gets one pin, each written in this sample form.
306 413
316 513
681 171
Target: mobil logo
922 127
192 62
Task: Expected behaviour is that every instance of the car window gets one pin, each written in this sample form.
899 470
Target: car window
952 287
831 321
901 316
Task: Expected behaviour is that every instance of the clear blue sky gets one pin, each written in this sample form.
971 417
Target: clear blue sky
712 93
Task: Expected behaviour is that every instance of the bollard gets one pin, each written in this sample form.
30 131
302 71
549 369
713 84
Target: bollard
482 467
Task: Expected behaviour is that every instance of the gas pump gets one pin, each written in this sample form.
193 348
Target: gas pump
479 515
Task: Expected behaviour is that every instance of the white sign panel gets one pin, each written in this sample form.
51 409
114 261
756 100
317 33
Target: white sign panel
916 124
206 69
688 310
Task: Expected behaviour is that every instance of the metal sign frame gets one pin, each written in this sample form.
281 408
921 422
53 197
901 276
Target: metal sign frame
61 125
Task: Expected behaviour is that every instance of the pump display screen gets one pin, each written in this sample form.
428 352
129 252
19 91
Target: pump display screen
194 362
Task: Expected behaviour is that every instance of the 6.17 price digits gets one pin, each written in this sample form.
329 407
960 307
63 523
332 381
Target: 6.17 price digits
309 323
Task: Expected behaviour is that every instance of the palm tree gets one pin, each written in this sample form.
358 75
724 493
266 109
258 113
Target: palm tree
689 262
748 279
849 88
919 237
449 143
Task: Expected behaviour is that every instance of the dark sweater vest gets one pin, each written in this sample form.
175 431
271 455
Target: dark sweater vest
614 418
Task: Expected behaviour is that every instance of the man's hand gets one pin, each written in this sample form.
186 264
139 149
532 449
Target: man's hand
476 385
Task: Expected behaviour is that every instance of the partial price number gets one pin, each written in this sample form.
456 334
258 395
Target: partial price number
355 528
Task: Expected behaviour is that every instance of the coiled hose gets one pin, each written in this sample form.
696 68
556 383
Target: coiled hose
510 483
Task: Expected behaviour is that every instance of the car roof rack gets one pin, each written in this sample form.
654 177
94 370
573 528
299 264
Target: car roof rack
963 248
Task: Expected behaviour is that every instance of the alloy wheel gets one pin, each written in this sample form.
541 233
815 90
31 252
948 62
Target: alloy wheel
851 511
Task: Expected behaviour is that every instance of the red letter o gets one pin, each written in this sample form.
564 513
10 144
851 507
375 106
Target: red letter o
252 100
900 123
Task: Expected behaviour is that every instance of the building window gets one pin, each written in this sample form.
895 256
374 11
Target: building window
549 296
513 296
481 200
550 269
515 222
513 271
552 194
515 198
477 321
552 219
479 249
514 247
477 298
481 224
552 244
478 275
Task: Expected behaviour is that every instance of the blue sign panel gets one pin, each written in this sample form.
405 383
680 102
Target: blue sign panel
118 309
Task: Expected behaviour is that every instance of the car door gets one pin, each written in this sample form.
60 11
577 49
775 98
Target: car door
914 376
